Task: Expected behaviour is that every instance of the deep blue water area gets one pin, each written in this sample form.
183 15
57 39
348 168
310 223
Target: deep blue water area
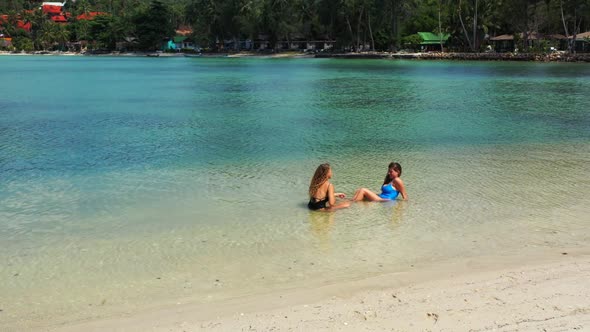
62 115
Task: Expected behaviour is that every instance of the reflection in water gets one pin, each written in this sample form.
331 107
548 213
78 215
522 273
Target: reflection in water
320 224
397 212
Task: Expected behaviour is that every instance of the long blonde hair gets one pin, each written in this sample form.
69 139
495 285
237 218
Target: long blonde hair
319 177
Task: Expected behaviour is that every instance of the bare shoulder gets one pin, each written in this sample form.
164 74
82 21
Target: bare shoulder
324 188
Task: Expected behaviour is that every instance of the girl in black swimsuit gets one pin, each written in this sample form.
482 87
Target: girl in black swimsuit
321 191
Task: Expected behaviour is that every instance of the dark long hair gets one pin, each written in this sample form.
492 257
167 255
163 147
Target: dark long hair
396 167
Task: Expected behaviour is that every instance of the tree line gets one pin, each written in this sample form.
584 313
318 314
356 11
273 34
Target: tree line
382 25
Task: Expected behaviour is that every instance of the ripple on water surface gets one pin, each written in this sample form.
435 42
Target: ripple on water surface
190 180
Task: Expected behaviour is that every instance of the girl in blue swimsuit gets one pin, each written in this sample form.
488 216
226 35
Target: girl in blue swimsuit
392 187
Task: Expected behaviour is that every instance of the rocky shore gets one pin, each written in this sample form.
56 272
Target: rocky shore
551 57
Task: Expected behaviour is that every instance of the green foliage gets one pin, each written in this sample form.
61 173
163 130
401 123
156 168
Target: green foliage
22 43
412 41
100 31
81 30
205 18
350 23
51 36
153 25
424 18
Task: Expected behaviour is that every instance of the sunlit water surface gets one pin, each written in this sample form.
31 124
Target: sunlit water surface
129 182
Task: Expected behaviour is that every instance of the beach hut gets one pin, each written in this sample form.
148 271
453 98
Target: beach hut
582 44
261 43
179 43
184 43
237 44
431 42
293 42
503 43
507 43
183 39
319 45
5 41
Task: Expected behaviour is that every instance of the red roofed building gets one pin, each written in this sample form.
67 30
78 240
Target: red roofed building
51 9
55 11
59 18
20 24
89 16
25 26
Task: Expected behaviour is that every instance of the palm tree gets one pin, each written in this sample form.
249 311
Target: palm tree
61 35
46 36
37 19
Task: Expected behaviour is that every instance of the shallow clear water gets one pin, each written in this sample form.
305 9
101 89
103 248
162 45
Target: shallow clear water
129 182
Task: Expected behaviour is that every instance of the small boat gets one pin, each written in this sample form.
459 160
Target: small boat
192 55
154 55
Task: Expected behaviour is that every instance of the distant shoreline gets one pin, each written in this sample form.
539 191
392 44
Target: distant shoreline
554 57
530 57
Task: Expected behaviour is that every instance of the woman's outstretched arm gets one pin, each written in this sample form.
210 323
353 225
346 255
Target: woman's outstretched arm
332 199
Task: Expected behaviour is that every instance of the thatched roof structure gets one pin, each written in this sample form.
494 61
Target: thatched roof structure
531 36
582 35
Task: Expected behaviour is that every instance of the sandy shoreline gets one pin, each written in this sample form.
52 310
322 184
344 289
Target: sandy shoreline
166 55
549 290
528 57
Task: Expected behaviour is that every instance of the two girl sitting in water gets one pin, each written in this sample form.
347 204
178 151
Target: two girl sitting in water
322 196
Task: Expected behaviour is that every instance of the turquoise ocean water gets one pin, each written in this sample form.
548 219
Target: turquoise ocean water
132 182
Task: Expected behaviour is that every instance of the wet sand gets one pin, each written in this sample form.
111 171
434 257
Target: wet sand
549 291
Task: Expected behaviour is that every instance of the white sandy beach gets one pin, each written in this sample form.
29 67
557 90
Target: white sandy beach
489 294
